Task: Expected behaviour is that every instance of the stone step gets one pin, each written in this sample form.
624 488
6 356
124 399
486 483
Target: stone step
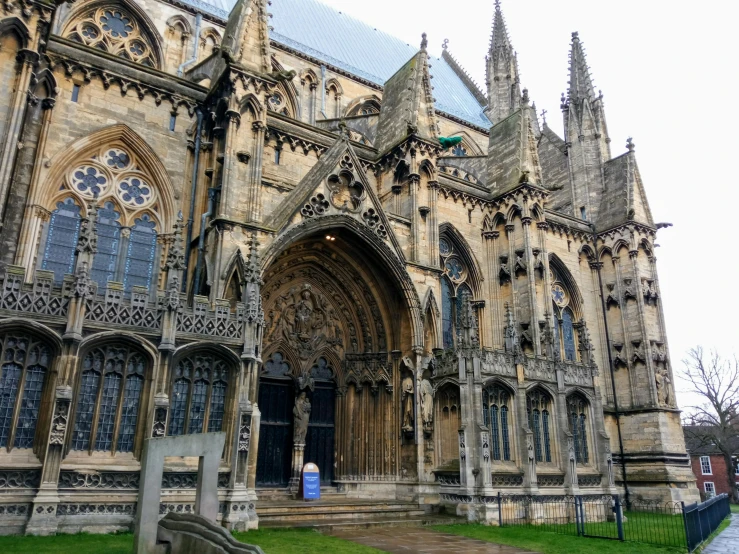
322 515
337 524
342 506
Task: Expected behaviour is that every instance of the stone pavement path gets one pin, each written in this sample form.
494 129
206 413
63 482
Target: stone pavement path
728 540
408 540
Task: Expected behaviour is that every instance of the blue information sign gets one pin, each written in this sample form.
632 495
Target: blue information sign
311 482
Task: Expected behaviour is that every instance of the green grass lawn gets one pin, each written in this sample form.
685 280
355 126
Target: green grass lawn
734 508
551 543
272 541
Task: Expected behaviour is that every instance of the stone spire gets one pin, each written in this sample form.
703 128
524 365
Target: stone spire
503 82
246 37
586 135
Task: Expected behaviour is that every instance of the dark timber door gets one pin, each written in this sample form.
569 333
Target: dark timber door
319 443
276 401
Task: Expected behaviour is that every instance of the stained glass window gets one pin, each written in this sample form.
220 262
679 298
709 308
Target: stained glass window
576 409
537 407
9 380
140 256
61 240
446 313
199 395
108 244
495 400
108 400
30 405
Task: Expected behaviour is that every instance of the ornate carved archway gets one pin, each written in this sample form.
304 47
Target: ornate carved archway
333 319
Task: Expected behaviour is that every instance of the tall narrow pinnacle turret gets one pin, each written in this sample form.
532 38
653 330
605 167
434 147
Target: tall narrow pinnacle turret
581 84
504 88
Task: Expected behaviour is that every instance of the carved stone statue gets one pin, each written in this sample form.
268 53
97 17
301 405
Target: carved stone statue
664 392
301 411
408 392
427 404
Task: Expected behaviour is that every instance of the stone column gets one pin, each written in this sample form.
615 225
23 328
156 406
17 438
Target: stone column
433 223
530 273
27 59
414 183
495 333
254 186
228 184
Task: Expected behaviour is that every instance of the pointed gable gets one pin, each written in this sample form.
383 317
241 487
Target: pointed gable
246 37
624 198
513 151
336 185
407 104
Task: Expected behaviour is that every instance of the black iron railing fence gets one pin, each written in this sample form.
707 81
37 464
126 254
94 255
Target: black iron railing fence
607 516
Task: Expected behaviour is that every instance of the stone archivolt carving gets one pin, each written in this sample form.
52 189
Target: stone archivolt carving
306 321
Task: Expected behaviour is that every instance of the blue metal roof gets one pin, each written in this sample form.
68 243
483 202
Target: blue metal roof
354 46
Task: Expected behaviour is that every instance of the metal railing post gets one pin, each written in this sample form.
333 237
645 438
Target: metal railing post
685 525
619 519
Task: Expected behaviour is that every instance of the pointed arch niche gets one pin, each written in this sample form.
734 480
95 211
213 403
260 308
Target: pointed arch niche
117 172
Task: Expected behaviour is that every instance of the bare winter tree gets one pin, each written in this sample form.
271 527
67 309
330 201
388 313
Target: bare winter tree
714 423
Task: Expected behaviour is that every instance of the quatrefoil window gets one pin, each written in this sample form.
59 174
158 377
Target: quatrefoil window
116 31
346 193
454 269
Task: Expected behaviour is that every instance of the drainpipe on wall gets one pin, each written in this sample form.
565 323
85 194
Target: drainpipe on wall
610 367
198 22
193 190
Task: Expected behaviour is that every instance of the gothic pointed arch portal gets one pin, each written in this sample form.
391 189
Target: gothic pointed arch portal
333 320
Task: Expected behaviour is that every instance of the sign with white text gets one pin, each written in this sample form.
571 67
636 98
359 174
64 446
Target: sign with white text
311 482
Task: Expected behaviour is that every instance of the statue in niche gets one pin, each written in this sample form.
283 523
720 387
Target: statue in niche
427 405
306 321
301 411
663 381
572 460
408 394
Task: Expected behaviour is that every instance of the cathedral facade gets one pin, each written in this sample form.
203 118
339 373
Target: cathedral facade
334 248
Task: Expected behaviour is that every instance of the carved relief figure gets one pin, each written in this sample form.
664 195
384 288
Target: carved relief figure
306 321
408 392
301 411
427 404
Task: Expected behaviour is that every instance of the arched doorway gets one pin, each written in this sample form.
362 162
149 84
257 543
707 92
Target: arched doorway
333 317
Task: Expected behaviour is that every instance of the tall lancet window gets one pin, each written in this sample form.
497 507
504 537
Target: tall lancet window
61 239
538 408
577 408
198 395
496 406
24 362
456 293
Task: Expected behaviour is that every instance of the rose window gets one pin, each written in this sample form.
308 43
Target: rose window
134 191
116 24
89 181
115 31
116 159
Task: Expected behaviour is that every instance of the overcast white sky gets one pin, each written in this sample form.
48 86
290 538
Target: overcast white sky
669 74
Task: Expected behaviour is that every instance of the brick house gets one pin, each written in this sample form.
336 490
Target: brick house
709 465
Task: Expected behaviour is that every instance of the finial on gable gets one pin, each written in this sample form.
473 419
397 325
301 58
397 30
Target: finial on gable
424 42
445 44
630 145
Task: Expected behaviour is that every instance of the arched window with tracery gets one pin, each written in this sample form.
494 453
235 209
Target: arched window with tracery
496 415
25 361
198 395
456 294
114 29
577 409
127 225
108 401
538 409
565 342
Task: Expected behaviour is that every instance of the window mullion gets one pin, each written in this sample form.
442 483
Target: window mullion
96 411
118 412
186 424
206 414
18 401
120 268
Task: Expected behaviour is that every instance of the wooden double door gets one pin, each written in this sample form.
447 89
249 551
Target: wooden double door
276 402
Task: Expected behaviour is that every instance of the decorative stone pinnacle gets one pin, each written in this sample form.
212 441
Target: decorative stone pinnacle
424 41
445 44
253 269
630 144
575 37
525 97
